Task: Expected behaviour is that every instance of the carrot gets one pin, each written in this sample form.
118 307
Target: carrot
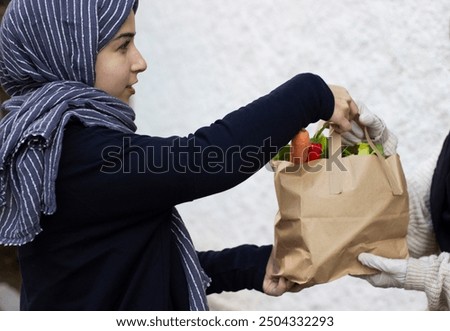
299 147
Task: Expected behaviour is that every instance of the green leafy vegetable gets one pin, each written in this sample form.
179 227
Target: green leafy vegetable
283 154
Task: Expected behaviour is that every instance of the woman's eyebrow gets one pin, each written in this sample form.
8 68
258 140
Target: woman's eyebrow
125 35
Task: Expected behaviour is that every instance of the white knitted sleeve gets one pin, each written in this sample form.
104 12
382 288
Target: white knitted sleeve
421 238
431 274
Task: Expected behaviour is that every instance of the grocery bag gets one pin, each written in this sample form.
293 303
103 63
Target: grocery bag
333 209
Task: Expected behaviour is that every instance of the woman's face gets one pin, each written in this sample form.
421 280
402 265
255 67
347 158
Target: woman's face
119 63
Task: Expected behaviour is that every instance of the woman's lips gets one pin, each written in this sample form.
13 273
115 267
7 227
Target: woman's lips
131 88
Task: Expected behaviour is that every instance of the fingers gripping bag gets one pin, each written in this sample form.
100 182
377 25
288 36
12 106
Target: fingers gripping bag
351 200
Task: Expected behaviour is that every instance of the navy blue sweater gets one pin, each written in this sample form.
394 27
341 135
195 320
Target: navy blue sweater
109 245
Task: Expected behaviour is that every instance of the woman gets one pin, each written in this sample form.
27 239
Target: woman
92 204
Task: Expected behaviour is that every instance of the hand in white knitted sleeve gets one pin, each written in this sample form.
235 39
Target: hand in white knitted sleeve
431 274
376 128
392 271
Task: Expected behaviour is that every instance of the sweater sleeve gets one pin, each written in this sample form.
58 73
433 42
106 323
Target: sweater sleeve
236 269
174 170
431 275
421 238
235 147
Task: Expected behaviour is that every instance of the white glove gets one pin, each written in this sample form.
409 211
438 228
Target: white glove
376 128
392 271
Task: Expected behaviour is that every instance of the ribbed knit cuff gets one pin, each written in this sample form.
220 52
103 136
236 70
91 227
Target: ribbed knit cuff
390 145
416 274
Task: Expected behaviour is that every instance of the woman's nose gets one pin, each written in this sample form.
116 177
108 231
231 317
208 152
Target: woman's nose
139 63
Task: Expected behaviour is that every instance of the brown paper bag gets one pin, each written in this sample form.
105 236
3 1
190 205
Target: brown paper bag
330 210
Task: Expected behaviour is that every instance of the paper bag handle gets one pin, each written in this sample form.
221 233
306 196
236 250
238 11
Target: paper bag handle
334 152
393 183
334 161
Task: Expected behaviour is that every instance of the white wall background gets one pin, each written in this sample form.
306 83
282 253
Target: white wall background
209 57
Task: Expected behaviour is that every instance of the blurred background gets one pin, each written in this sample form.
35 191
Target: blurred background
209 57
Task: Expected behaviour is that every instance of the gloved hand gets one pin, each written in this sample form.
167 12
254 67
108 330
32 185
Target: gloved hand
392 271
376 128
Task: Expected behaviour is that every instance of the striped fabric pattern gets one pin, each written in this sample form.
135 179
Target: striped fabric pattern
31 141
192 269
47 65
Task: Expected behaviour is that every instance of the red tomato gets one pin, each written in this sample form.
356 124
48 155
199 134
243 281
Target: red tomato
315 151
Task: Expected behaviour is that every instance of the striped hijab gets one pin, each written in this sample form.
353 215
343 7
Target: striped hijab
47 65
